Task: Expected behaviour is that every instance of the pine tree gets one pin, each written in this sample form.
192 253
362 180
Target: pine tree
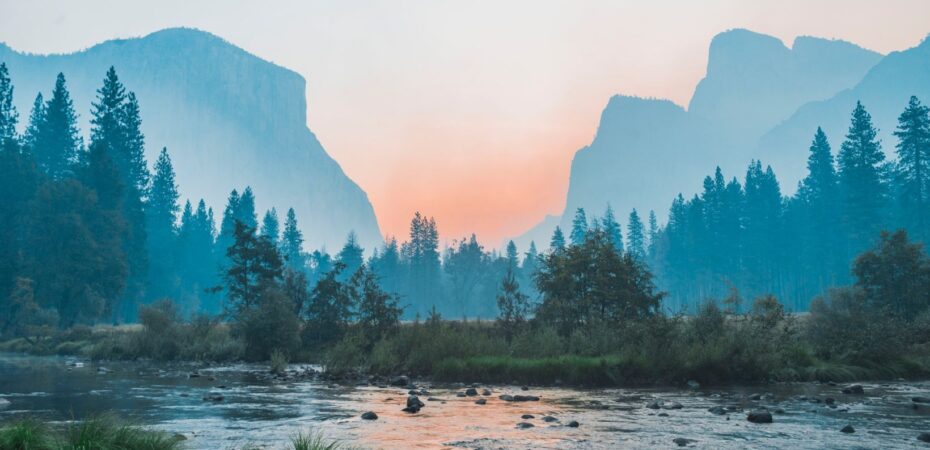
57 142
913 168
270 227
763 221
579 227
860 179
162 228
292 243
612 228
36 121
635 236
557 243
653 233
246 211
530 261
818 231
513 305
513 259
115 130
198 261
8 115
351 256
228 224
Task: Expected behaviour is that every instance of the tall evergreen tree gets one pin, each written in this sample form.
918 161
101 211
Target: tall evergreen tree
162 229
579 227
860 179
351 256
57 142
36 121
817 196
292 243
228 223
612 228
653 233
557 243
636 237
513 258
197 259
8 115
913 169
246 211
270 227
115 131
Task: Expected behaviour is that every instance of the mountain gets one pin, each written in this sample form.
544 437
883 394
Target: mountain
884 91
646 151
228 118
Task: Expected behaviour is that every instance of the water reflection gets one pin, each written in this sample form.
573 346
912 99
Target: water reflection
260 412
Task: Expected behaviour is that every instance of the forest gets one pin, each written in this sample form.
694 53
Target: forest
93 235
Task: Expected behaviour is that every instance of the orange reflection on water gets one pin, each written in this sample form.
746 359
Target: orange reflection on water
456 422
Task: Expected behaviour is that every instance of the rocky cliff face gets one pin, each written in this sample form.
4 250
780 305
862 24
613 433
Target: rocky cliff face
228 118
646 151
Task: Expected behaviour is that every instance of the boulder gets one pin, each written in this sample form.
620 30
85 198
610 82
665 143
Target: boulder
527 416
525 398
923 437
848 429
662 414
920 399
549 419
460 394
370 415
471 392
683 442
718 410
759 416
671 405
574 424
654 404
414 402
400 381
481 401
855 389
486 392
213 397
506 397
525 425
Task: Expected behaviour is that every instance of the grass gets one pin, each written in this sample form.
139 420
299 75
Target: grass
106 432
97 433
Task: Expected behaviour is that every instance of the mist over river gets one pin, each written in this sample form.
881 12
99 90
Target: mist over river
264 413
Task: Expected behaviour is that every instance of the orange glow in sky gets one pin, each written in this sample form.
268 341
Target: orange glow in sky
470 111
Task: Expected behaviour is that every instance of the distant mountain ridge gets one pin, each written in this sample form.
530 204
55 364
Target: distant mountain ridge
228 118
646 151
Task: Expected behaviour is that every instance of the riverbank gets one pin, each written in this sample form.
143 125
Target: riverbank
664 351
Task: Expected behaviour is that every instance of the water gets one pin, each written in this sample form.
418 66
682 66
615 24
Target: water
266 414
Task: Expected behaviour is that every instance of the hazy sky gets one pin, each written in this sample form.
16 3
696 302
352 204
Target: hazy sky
469 111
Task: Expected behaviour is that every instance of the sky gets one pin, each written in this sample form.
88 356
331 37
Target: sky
469 111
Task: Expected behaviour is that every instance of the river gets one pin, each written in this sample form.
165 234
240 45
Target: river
265 414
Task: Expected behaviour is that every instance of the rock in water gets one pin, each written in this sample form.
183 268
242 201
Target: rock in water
549 419
848 429
759 416
527 416
413 404
480 401
672 405
718 410
920 399
400 381
4 403
525 425
574 424
683 442
370 415
471 392
213 397
923 437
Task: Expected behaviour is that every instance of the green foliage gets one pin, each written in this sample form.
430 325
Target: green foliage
593 282
102 432
278 362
